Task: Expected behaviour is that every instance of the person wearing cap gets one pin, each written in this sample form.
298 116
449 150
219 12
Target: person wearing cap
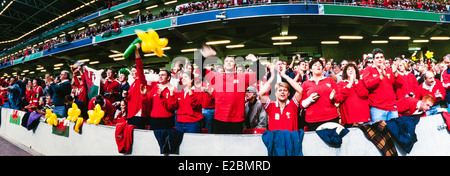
255 115
380 81
283 113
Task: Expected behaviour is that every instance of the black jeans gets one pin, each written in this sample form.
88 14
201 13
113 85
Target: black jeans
220 127
313 126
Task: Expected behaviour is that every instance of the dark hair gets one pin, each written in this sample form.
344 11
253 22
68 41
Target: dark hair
112 69
376 51
68 98
344 73
314 61
155 69
99 100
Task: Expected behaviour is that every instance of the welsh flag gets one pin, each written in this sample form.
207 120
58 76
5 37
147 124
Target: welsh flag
92 78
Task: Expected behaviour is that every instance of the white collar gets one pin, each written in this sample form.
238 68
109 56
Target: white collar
429 88
321 78
278 105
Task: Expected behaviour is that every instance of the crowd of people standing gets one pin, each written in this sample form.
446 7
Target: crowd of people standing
231 98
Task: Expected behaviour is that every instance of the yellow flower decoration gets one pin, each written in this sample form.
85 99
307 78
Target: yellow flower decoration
151 42
78 124
51 118
73 113
414 58
96 115
429 54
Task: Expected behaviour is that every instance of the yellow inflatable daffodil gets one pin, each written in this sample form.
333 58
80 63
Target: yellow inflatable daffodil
51 118
73 113
78 124
151 42
429 54
96 115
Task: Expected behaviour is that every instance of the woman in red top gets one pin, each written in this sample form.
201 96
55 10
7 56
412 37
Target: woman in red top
352 94
187 102
122 116
410 83
318 97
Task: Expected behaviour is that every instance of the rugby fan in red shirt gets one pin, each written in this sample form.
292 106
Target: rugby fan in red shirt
187 102
229 93
380 81
283 112
318 97
445 78
352 94
414 107
161 117
410 83
134 98
110 88
433 87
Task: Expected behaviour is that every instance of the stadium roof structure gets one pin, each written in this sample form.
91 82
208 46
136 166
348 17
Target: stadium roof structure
26 19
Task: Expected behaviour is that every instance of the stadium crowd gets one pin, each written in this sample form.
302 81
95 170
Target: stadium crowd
193 7
235 98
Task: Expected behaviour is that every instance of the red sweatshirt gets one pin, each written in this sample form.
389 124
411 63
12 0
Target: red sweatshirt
189 108
323 109
134 97
354 107
422 90
112 87
158 110
109 110
407 106
229 94
282 119
410 84
207 100
381 92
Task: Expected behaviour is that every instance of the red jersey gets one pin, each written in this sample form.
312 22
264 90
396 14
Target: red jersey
381 92
408 106
189 107
134 97
79 90
229 93
109 110
35 94
111 87
410 84
423 89
354 107
158 110
323 109
208 100
282 118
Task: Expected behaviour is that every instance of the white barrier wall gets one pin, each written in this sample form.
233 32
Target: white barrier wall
432 134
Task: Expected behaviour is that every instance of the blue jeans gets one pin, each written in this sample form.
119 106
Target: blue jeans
61 110
378 114
193 127
208 115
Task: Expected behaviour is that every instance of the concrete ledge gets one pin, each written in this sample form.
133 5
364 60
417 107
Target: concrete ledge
432 134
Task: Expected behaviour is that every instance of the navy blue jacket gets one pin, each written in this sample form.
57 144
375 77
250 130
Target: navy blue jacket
283 142
59 91
403 130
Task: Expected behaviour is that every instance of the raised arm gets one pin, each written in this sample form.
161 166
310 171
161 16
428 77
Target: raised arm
266 87
294 84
